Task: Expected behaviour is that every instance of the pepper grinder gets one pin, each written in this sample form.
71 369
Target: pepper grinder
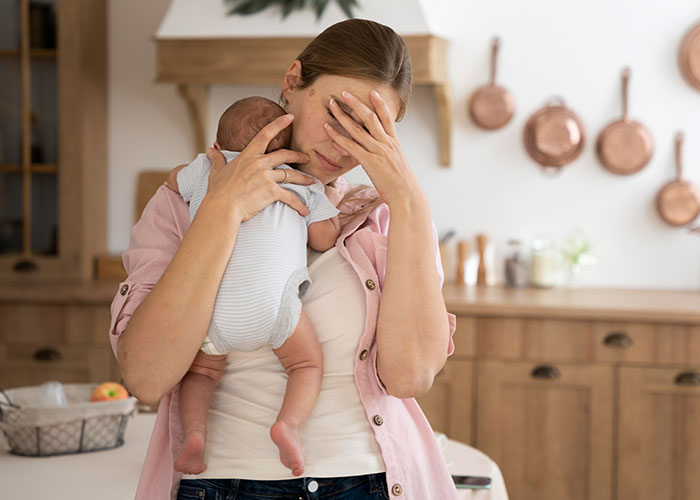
481 240
463 254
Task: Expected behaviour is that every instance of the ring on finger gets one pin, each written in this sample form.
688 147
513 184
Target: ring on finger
286 175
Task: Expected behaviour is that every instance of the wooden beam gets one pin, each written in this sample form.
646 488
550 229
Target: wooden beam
196 63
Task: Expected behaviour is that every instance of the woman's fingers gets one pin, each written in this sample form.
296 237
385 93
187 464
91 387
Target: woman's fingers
293 177
353 148
293 201
383 112
368 117
277 158
259 143
359 134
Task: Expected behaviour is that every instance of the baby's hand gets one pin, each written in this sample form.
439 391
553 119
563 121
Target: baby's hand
333 194
172 177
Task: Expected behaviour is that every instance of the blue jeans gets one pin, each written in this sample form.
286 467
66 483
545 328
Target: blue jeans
369 487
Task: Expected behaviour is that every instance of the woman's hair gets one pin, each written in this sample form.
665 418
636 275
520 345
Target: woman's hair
359 48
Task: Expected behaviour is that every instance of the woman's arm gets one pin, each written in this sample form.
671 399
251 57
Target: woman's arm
166 330
413 331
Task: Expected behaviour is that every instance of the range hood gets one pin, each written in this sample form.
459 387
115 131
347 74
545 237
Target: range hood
198 45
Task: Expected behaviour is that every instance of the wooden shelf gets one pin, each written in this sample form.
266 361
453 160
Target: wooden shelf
37 168
35 53
195 64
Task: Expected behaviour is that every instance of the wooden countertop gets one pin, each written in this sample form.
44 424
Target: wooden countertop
602 304
58 292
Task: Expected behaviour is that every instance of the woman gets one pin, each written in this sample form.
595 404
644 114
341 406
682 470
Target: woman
384 336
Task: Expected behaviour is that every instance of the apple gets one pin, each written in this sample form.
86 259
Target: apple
109 391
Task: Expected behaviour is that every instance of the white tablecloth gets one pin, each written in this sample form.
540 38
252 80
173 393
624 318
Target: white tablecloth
113 474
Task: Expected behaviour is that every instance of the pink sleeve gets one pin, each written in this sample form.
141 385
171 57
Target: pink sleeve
154 241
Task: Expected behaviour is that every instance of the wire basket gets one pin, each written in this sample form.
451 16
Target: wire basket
78 427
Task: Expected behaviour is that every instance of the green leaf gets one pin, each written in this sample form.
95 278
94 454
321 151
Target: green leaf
346 7
250 7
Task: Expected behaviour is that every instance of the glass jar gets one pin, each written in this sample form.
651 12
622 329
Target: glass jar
544 264
515 265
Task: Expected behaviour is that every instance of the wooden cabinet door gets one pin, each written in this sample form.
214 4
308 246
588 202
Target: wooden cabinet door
548 427
659 437
448 404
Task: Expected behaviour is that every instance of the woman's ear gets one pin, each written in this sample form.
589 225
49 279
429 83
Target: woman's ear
291 79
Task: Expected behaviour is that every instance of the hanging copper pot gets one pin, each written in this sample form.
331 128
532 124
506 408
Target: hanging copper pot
491 106
689 56
554 136
625 146
678 201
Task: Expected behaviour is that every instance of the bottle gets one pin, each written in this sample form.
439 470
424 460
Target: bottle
544 264
482 241
515 265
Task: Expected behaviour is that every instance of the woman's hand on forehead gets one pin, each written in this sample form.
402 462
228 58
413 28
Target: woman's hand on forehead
374 143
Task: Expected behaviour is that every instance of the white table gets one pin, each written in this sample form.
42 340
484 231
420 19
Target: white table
113 474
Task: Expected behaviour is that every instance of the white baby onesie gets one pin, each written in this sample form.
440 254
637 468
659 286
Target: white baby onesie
258 301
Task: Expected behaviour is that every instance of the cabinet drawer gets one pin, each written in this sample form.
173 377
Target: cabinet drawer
70 324
573 340
27 364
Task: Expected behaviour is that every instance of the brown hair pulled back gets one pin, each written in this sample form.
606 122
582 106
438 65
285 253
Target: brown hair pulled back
359 48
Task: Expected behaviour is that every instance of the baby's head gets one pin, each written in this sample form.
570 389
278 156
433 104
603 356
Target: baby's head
243 120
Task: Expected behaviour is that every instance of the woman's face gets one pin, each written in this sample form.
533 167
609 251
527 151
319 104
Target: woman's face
310 107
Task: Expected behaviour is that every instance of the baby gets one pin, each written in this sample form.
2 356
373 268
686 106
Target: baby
270 249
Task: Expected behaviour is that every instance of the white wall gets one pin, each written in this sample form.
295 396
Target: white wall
549 47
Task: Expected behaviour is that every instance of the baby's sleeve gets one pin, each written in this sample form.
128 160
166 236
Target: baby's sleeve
320 207
190 176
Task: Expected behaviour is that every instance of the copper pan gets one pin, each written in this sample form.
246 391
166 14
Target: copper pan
554 136
625 146
491 106
678 201
689 56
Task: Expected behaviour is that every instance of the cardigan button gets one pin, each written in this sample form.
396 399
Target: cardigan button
378 420
396 490
124 289
363 354
371 284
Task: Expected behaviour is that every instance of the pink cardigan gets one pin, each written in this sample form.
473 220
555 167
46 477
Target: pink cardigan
415 468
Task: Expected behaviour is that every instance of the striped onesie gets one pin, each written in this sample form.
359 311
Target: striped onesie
258 301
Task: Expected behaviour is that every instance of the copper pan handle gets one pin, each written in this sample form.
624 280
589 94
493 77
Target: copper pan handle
495 44
625 92
679 155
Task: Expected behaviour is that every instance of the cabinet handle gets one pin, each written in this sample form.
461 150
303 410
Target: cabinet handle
546 372
688 379
618 339
25 266
47 354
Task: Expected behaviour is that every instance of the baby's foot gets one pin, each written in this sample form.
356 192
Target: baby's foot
190 460
288 441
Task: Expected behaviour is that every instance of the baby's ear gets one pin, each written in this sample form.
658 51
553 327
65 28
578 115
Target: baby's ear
217 146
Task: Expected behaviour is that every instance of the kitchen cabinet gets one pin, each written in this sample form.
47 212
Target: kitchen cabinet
55 331
577 394
549 427
53 61
659 436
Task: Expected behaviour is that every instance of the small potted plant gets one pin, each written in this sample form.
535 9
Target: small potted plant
577 252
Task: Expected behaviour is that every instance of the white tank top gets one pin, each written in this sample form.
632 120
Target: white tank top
338 439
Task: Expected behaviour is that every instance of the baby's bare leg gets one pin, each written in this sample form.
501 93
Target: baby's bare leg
196 389
302 359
